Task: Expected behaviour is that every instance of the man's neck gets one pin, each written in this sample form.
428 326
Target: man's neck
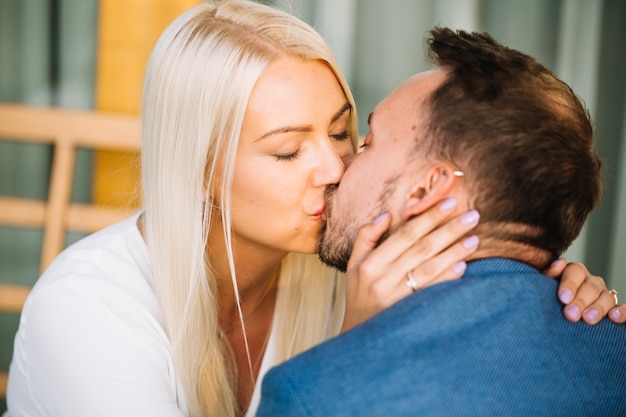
498 241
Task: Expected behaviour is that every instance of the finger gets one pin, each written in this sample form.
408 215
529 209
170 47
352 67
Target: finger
450 273
426 250
618 314
556 269
588 292
574 275
599 308
444 266
367 237
411 232
413 252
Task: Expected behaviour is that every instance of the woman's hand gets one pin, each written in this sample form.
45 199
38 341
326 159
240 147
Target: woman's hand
584 295
429 246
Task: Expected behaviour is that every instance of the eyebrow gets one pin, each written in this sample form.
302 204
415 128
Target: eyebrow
305 128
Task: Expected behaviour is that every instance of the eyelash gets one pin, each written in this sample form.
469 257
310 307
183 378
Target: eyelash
288 157
345 135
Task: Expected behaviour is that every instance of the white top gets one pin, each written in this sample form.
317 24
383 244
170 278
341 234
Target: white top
91 341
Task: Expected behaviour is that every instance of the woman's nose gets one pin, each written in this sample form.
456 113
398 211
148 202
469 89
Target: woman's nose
331 169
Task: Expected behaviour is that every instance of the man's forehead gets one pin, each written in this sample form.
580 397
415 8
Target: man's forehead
404 99
419 86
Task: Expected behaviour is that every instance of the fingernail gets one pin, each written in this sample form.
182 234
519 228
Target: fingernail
471 242
469 218
566 296
591 315
459 267
616 314
381 217
447 204
556 262
572 312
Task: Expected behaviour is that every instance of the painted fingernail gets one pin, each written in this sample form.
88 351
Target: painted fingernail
556 262
591 315
566 296
459 267
469 218
381 217
447 204
471 242
616 314
572 312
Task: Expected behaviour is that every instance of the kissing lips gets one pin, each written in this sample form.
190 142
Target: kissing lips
320 211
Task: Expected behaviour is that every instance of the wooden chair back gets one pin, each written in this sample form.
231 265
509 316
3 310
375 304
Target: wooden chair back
67 131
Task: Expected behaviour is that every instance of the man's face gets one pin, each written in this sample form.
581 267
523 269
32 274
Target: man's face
377 180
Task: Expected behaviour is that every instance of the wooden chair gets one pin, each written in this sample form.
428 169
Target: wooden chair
65 130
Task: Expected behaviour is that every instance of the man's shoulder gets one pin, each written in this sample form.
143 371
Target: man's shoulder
445 311
450 344
491 291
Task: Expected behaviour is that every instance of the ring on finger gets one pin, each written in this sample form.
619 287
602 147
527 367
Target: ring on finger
613 291
410 281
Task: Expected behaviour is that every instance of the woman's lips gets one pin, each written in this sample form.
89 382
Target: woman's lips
320 211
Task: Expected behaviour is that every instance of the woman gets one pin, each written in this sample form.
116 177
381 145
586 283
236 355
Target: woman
178 311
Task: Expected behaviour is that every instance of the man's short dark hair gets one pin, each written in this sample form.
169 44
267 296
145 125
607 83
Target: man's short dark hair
523 137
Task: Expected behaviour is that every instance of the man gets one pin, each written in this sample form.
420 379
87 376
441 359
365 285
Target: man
501 134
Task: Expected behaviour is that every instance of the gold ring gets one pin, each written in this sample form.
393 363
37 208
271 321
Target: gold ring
410 281
614 292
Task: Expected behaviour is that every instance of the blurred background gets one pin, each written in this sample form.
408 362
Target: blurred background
90 54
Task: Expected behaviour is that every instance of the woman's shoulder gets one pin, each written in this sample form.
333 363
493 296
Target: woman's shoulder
111 263
92 315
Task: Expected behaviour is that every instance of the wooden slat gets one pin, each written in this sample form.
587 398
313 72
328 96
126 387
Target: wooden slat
22 212
4 376
98 130
12 297
89 219
58 201
84 218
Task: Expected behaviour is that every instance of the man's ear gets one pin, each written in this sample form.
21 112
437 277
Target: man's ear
434 186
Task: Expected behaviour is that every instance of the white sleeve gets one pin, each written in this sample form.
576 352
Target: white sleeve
91 350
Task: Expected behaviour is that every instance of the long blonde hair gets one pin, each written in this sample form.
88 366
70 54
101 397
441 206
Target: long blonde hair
198 82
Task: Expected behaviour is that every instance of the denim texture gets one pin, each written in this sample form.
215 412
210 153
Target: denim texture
494 343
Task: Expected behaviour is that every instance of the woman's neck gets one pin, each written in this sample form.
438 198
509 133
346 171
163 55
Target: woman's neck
256 271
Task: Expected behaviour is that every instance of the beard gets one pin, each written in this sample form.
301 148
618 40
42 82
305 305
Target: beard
335 243
337 240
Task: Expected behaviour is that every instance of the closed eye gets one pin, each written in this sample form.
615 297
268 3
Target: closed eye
288 157
342 136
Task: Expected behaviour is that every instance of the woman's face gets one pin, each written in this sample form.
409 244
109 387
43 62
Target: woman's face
292 140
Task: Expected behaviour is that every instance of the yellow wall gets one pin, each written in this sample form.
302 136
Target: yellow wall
127 31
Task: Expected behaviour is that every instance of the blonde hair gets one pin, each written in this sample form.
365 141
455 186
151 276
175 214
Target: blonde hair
198 82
